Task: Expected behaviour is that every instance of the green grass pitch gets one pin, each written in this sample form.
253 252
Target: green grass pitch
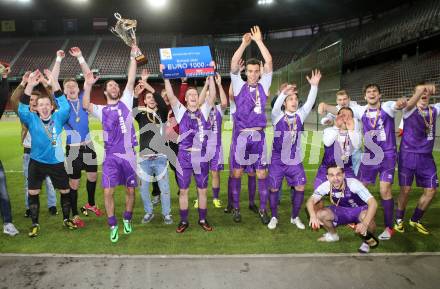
248 237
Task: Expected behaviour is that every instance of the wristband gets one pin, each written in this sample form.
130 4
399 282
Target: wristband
81 60
59 59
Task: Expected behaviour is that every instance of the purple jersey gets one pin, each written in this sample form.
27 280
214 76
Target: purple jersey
381 123
193 126
419 135
117 124
354 195
250 101
288 135
288 127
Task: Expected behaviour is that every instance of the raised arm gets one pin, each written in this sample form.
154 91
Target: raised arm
419 90
202 95
23 107
132 70
182 90
324 108
305 110
223 97
89 81
212 91
235 61
18 92
138 89
144 77
33 81
257 36
311 98
276 110
169 89
77 53
57 66
51 80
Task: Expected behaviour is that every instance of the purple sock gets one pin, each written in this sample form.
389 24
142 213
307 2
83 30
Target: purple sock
128 215
388 209
230 191
252 187
184 215
262 190
202 214
400 214
273 202
215 192
112 221
236 188
297 198
418 214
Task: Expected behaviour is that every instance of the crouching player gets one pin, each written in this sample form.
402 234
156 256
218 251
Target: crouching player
351 203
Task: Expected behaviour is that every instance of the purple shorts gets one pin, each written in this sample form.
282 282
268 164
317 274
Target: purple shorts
368 173
248 152
191 166
119 170
321 176
295 175
216 163
346 215
420 166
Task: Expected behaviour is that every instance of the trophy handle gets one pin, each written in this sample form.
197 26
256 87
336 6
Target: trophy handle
117 16
113 30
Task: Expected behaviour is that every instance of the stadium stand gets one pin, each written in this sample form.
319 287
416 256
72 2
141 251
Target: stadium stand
9 48
394 28
39 54
396 78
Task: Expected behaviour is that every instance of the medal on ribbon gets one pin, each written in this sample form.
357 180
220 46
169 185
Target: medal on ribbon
257 102
76 110
429 124
345 149
50 131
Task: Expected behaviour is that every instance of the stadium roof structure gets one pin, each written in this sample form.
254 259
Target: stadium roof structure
191 16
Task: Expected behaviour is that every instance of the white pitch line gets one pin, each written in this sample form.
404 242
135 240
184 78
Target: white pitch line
237 256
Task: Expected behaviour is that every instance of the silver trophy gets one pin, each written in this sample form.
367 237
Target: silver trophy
126 30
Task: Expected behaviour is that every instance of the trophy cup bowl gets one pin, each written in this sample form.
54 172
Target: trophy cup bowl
126 30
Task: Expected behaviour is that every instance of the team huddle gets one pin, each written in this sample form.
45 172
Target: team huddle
184 131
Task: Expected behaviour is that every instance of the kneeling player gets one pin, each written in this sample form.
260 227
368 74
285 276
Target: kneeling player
351 203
